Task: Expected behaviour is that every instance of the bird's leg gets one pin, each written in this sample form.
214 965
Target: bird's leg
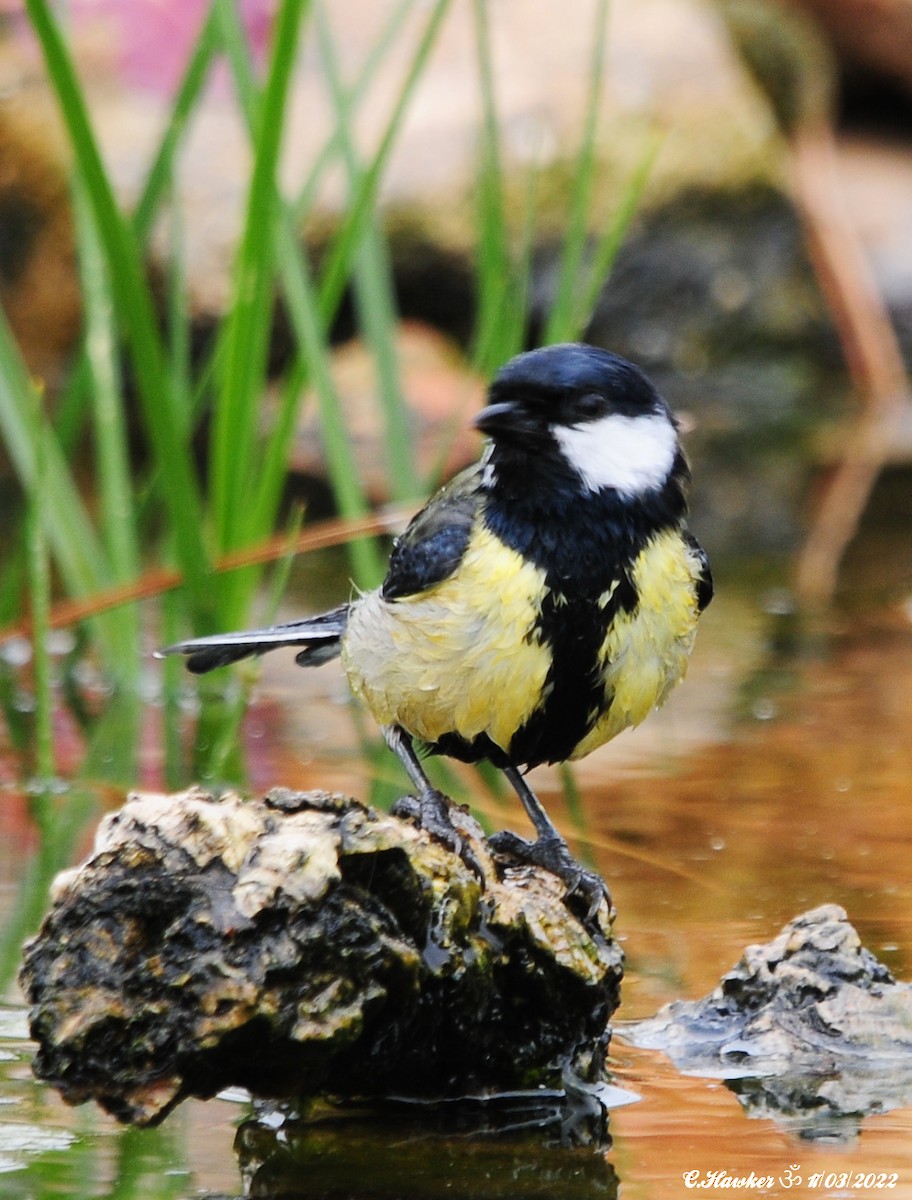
550 851
430 808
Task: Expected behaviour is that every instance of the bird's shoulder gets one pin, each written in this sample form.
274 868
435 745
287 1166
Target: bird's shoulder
433 544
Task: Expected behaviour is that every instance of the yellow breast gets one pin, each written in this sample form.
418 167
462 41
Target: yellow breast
463 656
645 652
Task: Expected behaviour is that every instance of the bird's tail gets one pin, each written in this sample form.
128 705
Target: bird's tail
318 638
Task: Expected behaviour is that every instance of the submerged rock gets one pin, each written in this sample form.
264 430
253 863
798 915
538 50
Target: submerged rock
809 1027
303 945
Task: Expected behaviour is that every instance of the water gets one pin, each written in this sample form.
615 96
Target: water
769 785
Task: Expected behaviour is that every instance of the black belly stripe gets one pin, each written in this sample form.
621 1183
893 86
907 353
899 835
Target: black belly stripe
586 545
574 696
574 691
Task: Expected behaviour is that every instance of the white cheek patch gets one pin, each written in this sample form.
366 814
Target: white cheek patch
630 454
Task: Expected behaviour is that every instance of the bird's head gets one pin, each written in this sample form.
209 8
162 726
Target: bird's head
584 416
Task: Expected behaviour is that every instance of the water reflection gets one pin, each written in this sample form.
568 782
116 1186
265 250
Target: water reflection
827 1108
766 787
49 1151
395 1156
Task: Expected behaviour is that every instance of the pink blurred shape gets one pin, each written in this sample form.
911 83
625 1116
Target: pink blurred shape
152 39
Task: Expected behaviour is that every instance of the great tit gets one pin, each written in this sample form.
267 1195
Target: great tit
544 600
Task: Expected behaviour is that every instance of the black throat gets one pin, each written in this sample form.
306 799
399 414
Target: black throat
583 541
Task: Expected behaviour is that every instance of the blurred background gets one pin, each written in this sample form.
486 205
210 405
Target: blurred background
257 261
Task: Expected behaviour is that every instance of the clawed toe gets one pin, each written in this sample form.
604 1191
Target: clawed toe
585 889
431 811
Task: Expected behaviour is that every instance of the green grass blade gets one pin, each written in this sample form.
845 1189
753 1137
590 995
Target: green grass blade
331 148
577 235
341 463
71 408
498 312
29 442
374 291
177 311
69 418
111 443
161 172
336 272
341 253
378 315
12 571
342 466
299 291
113 486
609 243
310 332
234 431
180 492
308 313
39 587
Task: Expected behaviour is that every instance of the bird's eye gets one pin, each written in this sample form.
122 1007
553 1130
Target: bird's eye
590 406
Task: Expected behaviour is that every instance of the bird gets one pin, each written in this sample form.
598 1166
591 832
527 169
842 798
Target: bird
541 602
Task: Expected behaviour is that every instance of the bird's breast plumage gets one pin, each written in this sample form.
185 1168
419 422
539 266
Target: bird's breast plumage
504 660
462 657
646 647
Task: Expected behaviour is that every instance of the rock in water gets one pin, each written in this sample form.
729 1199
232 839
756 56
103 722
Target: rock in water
303 945
809 1027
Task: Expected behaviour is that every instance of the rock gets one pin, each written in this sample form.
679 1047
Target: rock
669 66
809 1027
301 945
714 297
39 277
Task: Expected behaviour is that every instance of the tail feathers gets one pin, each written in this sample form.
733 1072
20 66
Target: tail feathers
318 637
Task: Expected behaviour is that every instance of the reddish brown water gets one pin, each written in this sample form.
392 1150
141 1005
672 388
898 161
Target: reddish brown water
758 793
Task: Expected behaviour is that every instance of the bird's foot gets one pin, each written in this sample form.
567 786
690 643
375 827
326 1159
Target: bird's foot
432 811
585 889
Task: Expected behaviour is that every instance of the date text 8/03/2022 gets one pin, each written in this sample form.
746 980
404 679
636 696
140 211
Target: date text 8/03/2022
791 1177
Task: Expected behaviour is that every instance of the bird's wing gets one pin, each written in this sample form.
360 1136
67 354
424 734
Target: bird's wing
432 546
704 579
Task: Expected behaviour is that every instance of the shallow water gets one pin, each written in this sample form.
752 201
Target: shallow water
770 784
